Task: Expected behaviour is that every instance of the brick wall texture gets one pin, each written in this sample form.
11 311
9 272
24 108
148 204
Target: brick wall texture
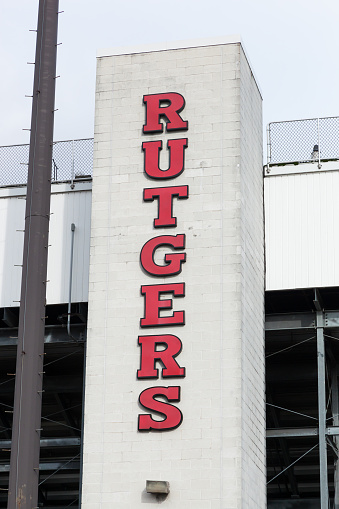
216 458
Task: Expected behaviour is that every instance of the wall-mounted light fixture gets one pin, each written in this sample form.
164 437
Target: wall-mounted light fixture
157 487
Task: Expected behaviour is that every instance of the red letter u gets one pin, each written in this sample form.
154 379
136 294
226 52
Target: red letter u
176 158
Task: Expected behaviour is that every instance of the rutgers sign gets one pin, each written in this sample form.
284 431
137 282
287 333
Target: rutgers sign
162 350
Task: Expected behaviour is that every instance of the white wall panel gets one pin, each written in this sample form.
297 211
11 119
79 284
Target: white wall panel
67 207
12 213
302 224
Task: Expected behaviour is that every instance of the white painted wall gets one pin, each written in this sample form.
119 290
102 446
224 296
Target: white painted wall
302 224
67 207
215 459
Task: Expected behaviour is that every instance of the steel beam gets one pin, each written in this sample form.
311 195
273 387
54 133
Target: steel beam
10 318
295 321
55 384
335 414
300 432
289 321
53 334
5 423
48 442
82 425
285 452
322 410
331 319
291 432
51 466
292 504
66 414
332 431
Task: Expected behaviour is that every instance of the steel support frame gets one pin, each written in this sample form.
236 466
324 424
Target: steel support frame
335 414
285 453
51 466
306 321
322 409
66 414
49 442
299 321
300 432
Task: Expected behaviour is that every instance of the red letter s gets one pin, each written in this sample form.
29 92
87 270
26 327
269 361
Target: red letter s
173 416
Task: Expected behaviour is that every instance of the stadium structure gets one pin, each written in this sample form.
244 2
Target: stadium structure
182 277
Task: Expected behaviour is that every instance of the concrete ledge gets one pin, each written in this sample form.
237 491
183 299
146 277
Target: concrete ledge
169 45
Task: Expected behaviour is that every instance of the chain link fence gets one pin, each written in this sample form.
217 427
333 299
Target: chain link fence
72 160
314 139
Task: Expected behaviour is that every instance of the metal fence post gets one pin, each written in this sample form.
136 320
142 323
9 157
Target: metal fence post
72 177
318 126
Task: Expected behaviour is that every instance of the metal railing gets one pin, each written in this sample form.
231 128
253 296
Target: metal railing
72 160
314 139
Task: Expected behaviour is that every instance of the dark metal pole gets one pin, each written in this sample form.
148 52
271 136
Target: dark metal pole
24 467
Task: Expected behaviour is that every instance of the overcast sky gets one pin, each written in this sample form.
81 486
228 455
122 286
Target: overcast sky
292 47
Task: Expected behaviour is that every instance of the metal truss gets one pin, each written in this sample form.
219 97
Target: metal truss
319 322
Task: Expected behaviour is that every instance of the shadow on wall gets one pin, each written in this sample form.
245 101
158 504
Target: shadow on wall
150 498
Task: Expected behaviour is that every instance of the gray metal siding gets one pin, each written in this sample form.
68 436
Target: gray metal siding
301 227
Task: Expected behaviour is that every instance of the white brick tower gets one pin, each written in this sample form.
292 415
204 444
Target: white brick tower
175 365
